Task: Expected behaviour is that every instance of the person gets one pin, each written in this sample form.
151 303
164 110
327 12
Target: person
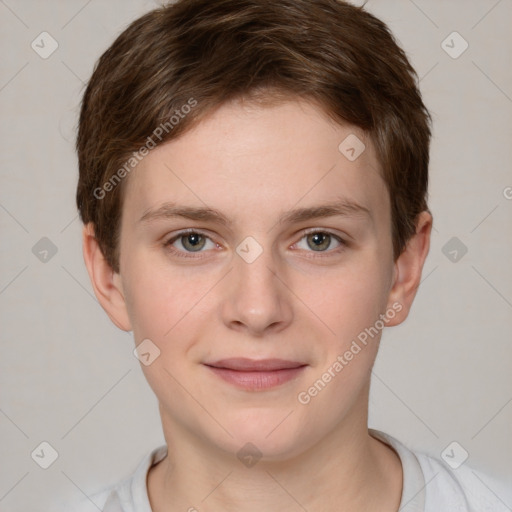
253 183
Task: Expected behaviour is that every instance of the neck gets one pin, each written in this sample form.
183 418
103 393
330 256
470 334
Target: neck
347 470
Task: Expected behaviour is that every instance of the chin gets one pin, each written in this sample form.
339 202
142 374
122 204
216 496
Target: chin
269 432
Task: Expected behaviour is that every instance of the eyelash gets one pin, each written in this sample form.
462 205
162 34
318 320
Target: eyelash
188 254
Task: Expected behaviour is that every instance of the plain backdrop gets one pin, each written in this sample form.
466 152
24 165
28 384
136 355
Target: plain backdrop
69 377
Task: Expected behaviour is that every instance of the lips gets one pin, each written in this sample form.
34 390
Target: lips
242 364
256 375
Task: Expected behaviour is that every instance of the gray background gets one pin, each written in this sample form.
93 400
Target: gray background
69 377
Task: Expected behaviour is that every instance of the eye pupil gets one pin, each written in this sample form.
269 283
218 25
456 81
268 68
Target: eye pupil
319 240
193 241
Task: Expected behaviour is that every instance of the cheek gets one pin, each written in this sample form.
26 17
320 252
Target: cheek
349 299
350 305
162 300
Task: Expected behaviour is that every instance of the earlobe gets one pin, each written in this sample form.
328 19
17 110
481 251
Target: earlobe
106 283
408 268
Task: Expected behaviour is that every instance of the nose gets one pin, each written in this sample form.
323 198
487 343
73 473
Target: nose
257 300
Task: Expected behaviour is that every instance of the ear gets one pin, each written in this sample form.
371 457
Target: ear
105 282
408 268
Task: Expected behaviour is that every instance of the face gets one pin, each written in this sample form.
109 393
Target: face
254 237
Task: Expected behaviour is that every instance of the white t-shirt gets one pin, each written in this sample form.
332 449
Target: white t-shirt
429 485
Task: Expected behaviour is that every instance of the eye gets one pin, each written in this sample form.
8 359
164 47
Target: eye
321 241
190 242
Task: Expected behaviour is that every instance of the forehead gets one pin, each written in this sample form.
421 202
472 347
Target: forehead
245 155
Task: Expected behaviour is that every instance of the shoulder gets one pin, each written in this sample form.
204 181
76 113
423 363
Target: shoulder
434 485
128 495
463 489
92 503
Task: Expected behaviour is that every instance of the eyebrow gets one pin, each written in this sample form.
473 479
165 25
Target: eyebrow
342 207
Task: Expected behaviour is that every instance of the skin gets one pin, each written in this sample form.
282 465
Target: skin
295 301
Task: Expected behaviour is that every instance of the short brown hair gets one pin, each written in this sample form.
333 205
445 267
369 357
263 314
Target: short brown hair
203 53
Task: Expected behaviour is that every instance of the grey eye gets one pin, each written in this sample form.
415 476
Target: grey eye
193 242
320 241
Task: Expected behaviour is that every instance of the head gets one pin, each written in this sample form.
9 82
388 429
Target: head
291 142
